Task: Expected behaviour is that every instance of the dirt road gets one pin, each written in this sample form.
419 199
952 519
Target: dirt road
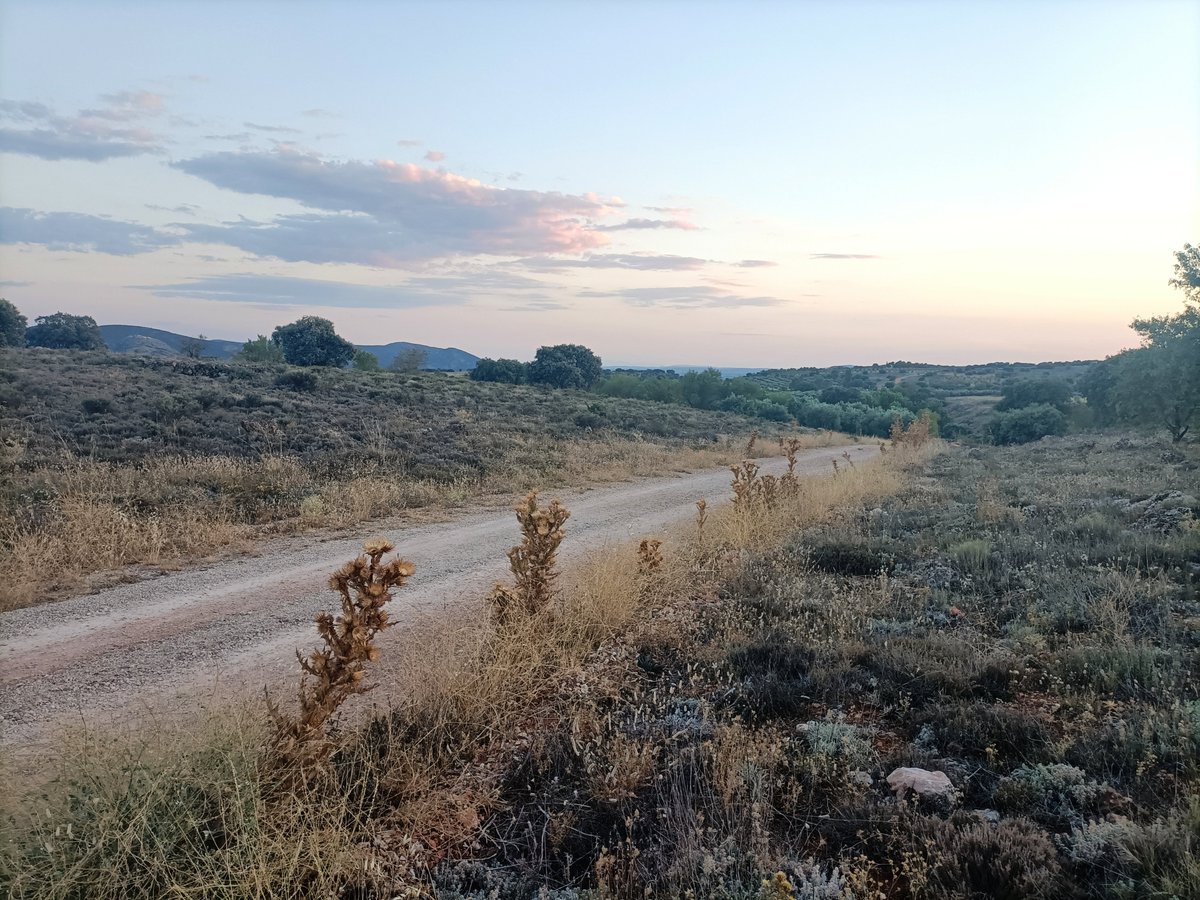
97 657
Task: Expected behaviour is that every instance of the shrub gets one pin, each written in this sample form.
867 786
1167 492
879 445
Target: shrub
96 406
1031 423
298 380
261 350
363 361
1033 391
848 558
504 371
1054 794
968 857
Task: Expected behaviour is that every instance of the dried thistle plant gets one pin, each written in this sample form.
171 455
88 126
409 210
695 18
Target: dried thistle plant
789 483
846 456
836 471
332 673
745 478
650 558
768 491
701 518
750 444
531 561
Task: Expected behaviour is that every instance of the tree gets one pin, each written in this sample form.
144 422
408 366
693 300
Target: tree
1030 391
703 390
1159 383
410 359
312 341
12 325
565 366
261 350
62 331
504 371
365 361
193 347
1187 273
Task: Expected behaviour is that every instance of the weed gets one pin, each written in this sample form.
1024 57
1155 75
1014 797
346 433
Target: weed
532 562
331 674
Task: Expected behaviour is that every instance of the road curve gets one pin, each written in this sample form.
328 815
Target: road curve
100 656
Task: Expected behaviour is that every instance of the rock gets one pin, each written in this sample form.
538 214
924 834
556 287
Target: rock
923 783
861 778
988 815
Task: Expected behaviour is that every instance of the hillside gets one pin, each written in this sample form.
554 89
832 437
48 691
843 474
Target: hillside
113 459
146 341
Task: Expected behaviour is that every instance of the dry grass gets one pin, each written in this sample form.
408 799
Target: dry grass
96 518
413 785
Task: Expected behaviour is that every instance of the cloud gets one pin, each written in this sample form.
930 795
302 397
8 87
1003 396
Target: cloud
408 142
94 135
241 136
645 262
125 106
273 129
16 284
684 297
288 291
320 114
187 209
435 155
640 224
79 232
842 256
386 213
755 263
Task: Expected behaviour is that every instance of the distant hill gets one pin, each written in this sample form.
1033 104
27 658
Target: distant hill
726 371
146 341
156 342
445 358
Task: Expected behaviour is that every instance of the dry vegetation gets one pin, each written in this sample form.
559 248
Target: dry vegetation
407 791
715 712
110 461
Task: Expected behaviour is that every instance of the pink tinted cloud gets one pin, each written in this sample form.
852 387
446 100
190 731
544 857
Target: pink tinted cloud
435 155
398 211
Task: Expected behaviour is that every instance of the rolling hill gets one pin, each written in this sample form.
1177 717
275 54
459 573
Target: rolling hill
147 341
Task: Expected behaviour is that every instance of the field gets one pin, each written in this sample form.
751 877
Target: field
111 461
722 722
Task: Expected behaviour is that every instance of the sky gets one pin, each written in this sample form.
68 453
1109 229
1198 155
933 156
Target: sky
667 182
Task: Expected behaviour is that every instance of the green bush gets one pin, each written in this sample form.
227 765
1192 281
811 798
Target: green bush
1030 423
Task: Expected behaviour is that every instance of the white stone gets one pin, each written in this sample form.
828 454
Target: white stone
921 782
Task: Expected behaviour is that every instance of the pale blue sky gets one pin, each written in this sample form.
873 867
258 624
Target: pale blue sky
954 182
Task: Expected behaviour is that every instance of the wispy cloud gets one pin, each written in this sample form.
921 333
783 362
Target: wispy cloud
435 155
648 224
288 291
15 284
272 129
187 209
755 263
387 213
684 297
408 142
79 232
95 135
842 256
639 261
318 113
